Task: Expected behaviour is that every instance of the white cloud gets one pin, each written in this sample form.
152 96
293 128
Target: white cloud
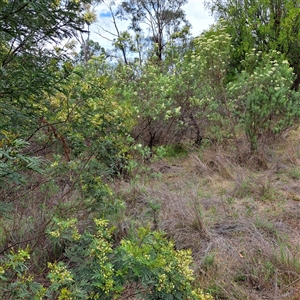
198 16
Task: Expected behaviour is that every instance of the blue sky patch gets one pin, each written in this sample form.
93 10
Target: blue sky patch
106 14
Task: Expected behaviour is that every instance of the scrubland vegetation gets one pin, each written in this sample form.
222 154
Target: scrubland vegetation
166 167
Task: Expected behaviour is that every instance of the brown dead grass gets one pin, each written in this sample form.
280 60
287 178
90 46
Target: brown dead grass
241 222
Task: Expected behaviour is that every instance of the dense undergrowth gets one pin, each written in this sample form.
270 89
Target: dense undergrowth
164 168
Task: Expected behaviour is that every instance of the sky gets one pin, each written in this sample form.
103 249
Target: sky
196 14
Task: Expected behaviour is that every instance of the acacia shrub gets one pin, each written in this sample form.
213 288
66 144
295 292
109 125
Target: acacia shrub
82 143
94 269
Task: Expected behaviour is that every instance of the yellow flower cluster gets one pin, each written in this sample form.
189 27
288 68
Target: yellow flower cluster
59 273
63 226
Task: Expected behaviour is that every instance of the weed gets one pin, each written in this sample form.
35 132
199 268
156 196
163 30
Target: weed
243 187
154 208
266 226
240 277
170 151
208 261
290 258
294 173
249 210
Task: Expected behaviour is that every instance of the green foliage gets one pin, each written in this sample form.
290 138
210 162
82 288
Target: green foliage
183 99
263 25
211 57
157 267
91 120
262 96
78 118
88 50
89 117
170 151
97 270
29 68
151 94
13 161
260 99
202 78
15 281
66 114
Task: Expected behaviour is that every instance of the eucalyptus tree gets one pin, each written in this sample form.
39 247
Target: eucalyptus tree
88 49
157 20
121 40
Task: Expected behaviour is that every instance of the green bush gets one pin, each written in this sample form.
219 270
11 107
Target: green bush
94 269
262 96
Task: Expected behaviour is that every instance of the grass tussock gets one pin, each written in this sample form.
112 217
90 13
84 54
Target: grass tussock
241 221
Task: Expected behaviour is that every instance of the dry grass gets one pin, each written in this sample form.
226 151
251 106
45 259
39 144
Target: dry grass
242 223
